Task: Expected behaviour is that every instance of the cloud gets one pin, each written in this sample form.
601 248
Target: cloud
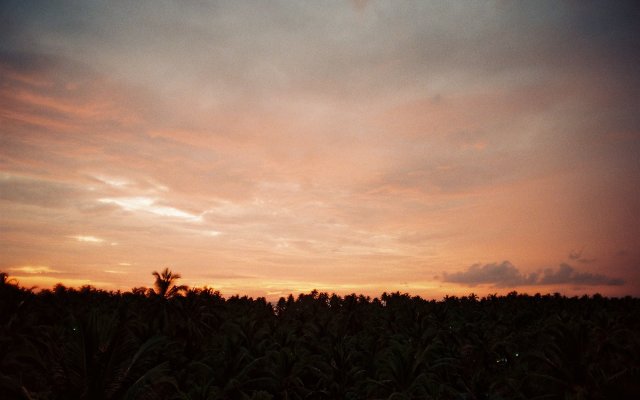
151 206
577 256
89 239
506 274
224 276
501 275
345 137
574 255
38 192
114 182
566 274
24 68
35 269
622 253
360 5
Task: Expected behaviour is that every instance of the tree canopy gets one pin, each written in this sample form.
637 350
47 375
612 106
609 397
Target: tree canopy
165 284
89 343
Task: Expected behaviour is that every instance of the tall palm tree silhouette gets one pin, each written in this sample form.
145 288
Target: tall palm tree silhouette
165 284
5 280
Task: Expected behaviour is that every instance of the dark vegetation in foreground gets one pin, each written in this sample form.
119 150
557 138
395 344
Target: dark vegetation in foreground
172 342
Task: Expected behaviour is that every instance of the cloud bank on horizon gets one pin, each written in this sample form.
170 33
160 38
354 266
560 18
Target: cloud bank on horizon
352 146
506 275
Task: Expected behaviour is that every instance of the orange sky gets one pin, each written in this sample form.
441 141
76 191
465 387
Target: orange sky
430 147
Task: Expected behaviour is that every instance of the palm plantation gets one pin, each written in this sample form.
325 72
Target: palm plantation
171 342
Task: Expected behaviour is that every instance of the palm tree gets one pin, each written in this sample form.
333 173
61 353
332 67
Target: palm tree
165 284
5 280
102 359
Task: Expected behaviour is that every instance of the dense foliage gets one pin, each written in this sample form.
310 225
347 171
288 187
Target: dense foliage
194 344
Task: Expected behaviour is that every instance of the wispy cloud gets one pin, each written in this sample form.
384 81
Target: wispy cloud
35 269
115 182
88 239
150 205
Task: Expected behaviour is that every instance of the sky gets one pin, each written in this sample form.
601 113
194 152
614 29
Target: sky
266 148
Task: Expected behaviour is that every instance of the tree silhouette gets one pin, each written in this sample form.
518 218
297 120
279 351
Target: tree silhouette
165 284
5 280
87 343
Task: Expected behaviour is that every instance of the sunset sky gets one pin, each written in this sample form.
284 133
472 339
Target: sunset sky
264 148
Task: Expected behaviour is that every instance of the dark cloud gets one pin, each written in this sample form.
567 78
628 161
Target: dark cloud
574 255
506 274
566 274
577 256
23 62
501 275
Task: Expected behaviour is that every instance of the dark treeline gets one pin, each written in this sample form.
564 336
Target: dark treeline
178 343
